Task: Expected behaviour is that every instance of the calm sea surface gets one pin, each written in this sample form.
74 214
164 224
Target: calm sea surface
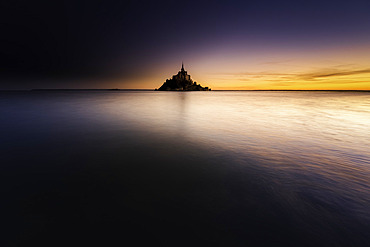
185 168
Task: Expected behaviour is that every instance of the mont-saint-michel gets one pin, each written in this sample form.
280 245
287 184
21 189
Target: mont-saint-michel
182 82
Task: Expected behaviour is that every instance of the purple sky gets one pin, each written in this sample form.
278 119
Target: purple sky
138 44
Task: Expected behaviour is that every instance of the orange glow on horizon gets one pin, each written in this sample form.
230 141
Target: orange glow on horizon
336 68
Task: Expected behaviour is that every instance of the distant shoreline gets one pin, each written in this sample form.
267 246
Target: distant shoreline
115 90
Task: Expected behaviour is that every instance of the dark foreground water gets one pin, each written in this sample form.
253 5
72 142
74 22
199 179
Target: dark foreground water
185 169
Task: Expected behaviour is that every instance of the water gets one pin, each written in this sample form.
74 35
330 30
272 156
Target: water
185 168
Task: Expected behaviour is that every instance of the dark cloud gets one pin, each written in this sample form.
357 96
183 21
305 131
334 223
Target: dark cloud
285 79
323 74
262 73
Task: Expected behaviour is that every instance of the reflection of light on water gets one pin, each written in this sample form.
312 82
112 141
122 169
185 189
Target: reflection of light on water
319 140
243 121
250 118
296 157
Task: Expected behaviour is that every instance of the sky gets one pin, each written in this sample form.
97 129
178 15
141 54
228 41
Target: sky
239 45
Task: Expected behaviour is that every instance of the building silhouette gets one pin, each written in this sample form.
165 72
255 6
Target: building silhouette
182 82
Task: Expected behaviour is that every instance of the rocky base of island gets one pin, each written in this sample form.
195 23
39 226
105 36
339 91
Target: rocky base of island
181 85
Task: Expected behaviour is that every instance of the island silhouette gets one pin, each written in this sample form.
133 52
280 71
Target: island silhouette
182 82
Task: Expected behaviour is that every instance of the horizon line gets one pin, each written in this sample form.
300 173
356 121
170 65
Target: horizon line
118 89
